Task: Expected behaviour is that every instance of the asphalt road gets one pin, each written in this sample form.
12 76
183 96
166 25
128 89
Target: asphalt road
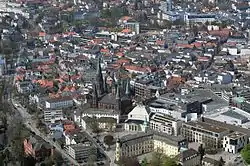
27 120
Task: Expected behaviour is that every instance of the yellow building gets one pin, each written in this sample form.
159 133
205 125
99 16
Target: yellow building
141 143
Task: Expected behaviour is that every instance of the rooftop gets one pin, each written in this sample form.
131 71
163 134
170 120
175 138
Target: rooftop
235 135
173 140
207 126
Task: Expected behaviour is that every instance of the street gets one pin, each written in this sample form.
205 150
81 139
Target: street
27 120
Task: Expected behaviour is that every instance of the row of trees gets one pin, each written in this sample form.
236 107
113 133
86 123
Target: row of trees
158 159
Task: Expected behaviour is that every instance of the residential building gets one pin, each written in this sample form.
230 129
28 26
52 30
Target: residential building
234 142
37 148
24 87
190 18
52 115
164 123
145 142
146 85
69 125
189 157
56 103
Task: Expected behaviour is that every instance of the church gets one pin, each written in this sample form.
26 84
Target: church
116 96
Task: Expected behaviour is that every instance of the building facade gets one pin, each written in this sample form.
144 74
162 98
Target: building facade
234 142
145 142
56 103
80 152
35 147
164 123
204 133
50 116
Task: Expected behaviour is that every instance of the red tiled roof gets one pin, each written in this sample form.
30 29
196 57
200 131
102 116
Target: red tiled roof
42 34
126 30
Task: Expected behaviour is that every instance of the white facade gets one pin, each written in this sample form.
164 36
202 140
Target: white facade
69 140
139 113
199 18
165 124
234 142
177 114
59 103
50 116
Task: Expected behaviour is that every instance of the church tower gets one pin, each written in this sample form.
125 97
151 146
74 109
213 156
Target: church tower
95 97
118 98
105 87
127 91
99 78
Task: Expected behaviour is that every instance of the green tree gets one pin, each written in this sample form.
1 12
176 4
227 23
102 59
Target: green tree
245 153
94 125
129 161
144 162
58 159
157 158
108 140
105 13
168 161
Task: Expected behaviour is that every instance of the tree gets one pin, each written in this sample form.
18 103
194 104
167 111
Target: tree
95 126
201 151
91 160
108 140
245 153
168 161
157 158
129 161
144 162
221 162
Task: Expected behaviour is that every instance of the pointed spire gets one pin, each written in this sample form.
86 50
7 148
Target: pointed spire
95 90
95 96
105 88
98 67
99 78
127 88
118 97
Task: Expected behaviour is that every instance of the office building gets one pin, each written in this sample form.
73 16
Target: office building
50 116
234 142
208 134
165 124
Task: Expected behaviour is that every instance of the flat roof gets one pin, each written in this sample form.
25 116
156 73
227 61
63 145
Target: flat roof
233 114
207 126
235 135
226 126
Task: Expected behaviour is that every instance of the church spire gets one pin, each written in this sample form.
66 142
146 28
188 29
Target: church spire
127 92
105 88
118 93
99 78
118 98
95 96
